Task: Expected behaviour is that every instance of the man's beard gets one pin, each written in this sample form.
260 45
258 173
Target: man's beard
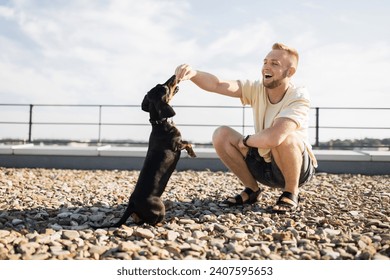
275 83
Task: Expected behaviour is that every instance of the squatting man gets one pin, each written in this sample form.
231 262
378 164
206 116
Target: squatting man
279 153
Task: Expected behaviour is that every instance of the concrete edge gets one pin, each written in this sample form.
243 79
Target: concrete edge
132 158
109 151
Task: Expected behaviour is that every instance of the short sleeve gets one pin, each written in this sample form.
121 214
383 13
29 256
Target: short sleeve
249 91
297 109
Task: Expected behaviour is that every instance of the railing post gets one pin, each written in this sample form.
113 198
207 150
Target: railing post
243 120
30 124
317 127
100 124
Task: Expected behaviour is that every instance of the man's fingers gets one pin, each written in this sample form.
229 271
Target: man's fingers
182 72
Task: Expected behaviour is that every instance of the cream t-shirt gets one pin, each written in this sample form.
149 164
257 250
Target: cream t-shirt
295 105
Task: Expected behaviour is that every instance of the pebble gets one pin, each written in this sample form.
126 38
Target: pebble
128 246
96 249
172 235
70 234
49 216
144 233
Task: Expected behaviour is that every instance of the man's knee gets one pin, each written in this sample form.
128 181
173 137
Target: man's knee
220 135
292 142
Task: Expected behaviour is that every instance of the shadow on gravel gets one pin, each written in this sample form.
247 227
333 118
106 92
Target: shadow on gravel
82 218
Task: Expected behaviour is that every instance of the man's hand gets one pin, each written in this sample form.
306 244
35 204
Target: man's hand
184 72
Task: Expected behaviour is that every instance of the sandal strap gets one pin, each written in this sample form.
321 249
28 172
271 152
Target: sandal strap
291 196
238 199
252 195
248 191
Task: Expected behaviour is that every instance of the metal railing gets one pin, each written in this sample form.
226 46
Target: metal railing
244 123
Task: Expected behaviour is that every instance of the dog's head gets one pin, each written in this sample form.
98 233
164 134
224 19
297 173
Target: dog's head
156 101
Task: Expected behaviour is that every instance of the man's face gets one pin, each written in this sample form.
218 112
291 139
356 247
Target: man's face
276 69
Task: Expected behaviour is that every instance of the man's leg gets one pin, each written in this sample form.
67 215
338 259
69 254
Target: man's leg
288 157
225 141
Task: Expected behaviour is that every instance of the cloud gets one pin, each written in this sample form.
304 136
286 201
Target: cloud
244 40
89 53
347 75
6 12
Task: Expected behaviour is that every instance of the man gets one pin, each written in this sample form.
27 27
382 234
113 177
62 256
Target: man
278 154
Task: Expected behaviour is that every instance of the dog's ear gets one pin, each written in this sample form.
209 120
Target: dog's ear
165 110
145 104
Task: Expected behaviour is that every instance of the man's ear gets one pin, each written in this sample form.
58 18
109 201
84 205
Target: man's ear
164 110
291 71
145 104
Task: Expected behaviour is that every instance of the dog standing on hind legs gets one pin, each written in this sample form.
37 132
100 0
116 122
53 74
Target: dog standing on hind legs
165 145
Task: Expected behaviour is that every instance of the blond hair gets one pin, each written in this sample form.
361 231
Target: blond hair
291 51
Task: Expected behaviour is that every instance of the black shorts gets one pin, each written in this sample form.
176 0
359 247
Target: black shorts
269 174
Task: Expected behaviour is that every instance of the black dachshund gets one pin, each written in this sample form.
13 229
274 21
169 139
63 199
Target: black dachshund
165 145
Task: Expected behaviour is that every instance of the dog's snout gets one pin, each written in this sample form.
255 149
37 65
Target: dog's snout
171 81
172 87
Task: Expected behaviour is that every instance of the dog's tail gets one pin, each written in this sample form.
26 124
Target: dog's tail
129 210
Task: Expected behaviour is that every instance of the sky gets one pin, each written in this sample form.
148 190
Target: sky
113 52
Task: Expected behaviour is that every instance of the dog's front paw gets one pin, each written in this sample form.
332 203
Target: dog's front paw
190 151
184 145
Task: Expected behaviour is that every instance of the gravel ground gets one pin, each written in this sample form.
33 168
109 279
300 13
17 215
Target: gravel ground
47 213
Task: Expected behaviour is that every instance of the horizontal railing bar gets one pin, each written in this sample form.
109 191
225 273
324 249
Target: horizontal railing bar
183 106
185 125
351 108
125 124
352 127
68 105
181 124
13 122
131 106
